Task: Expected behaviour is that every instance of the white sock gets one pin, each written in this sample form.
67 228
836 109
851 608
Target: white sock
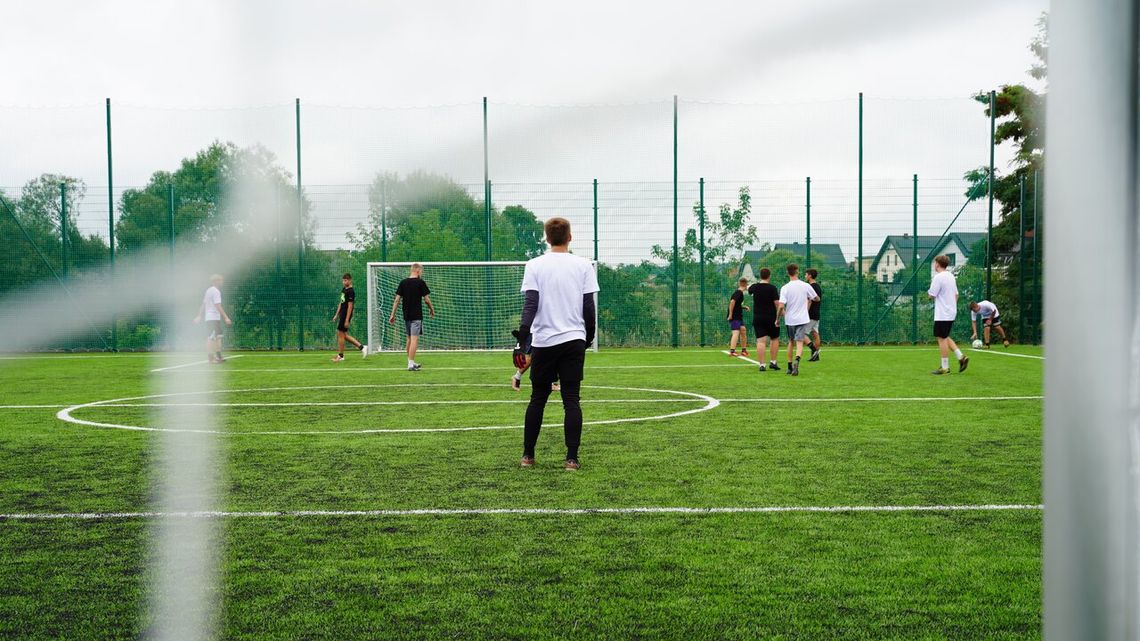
958 354
518 375
411 362
946 363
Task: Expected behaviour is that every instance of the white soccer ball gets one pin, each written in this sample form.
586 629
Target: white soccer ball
978 344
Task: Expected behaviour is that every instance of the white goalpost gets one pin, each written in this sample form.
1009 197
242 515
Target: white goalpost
477 305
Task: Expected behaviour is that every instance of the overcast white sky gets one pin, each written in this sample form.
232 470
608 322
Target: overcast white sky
917 63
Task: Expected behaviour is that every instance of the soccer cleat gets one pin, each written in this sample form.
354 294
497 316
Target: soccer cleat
963 363
1005 343
795 369
789 372
814 356
744 352
527 461
762 368
732 352
336 359
573 464
940 371
364 351
414 367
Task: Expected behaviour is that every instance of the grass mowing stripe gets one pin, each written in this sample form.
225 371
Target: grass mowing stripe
784 509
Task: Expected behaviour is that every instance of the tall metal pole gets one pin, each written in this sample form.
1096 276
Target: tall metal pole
676 247
1035 266
486 184
914 263
278 282
1021 263
702 258
384 220
300 240
63 226
859 245
595 220
990 219
111 223
170 217
807 225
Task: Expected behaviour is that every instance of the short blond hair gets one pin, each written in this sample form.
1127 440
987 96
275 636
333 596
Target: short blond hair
417 268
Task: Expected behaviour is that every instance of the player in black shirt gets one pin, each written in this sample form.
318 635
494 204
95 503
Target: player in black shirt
343 317
813 314
765 320
412 290
735 319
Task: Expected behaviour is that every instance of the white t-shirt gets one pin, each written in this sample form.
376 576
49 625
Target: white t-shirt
795 296
986 309
944 289
561 280
213 297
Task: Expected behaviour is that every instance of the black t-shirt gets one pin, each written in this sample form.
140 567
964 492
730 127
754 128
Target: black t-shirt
347 295
738 309
764 297
813 307
412 291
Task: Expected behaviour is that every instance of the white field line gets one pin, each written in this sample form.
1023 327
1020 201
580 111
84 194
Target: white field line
990 351
743 358
880 399
29 407
788 509
174 367
357 370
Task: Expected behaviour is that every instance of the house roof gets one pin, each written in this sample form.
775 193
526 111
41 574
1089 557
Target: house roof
927 245
831 253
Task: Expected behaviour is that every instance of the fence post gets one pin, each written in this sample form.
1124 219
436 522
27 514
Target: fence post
384 220
859 245
63 225
595 220
990 219
486 184
111 224
278 282
1038 223
1021 263
701 249
300 240
170 216
676 248
914 264
807 230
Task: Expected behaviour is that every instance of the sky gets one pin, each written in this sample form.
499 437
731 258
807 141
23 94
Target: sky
767 92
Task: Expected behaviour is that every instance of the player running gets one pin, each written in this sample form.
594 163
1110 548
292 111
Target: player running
813 314
765 319
991 317
343 318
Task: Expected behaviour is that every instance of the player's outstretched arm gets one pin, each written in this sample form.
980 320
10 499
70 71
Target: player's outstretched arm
431 308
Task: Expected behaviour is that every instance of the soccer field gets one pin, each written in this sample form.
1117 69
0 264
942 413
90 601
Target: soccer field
863 499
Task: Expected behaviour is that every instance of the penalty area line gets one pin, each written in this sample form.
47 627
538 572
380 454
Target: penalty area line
787 509
743 358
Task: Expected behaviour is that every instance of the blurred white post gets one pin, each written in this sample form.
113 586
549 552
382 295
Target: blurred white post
1091 375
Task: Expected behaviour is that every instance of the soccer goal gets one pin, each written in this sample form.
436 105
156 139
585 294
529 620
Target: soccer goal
477 305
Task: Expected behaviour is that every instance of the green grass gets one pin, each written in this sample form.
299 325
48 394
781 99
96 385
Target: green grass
846 575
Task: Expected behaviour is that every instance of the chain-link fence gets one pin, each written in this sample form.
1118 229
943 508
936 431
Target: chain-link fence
675 199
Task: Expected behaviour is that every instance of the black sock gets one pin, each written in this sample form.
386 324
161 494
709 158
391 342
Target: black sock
341 354
797 359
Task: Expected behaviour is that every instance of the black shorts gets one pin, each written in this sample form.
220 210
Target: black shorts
341 325
942 328
564 362
771 330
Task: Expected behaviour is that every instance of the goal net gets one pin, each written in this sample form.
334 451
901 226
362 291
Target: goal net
477 305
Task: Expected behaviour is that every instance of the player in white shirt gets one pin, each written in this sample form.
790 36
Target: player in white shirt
944 291
213 313
991 317
795 296
558 321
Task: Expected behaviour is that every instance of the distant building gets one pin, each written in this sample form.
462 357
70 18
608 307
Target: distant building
895 254
830 253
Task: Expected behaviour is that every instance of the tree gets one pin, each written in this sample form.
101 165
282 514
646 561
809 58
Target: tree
425 216
725 238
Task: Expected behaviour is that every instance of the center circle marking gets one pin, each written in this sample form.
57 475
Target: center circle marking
66 413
